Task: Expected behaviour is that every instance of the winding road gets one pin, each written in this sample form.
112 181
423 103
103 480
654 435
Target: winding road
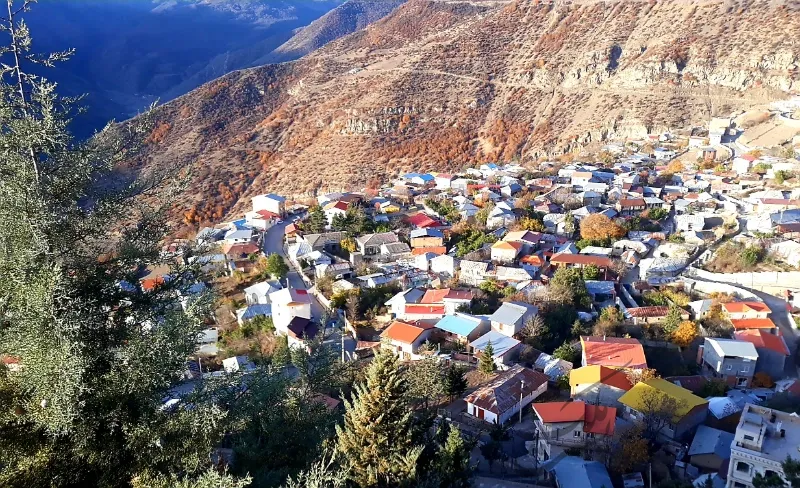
273 244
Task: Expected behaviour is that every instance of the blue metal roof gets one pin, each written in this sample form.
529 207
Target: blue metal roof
461 325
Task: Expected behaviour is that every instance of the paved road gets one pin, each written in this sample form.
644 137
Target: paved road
273 244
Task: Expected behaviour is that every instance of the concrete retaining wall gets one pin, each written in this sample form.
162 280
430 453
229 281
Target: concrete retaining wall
766 281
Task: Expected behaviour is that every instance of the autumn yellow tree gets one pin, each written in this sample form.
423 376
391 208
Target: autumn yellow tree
639 375
599 227
527 223
349 244
631 450
675 167
684 334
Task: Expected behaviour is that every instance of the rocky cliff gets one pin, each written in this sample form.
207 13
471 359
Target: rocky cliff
439 84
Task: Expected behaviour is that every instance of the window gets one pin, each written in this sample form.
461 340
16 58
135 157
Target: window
741 381
745 369
736 484
728 367
743 467
749 438
576 433
590 435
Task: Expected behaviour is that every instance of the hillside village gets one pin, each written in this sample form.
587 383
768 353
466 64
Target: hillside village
596 308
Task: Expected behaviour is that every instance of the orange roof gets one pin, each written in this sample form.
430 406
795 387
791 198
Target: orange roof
741 307
507 245
532 259
414 308
741 324
435 296
402 332
613 352
556 412
600 419
763 339
433 249
600 374
149 284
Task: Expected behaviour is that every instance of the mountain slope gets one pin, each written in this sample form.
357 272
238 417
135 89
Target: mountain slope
131 52
345 19
438 84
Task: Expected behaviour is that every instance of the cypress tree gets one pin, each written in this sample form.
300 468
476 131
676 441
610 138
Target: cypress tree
376 441
486 364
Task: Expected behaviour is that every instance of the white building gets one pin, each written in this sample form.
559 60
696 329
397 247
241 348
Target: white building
288 304
271 203
764 438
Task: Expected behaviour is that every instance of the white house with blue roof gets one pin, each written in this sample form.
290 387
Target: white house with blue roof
462 327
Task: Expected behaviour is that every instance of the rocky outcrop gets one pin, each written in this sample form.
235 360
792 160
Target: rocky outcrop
436 85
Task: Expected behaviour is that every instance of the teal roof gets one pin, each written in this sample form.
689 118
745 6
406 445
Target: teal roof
461 325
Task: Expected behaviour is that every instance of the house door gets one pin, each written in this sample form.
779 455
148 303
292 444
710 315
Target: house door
479 412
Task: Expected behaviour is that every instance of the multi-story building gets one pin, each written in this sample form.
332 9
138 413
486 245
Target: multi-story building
764 439
730 360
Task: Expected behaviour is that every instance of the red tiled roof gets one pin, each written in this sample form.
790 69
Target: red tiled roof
268 215
655 311
557 412
434 296
600 419
149 284
340 205
532 259
632 202
740 307
742 324
9 360
459 295
414 308
584 259
290 229
780 201
438 250
693 383
242 249
402 332
422 221
763 339
614 352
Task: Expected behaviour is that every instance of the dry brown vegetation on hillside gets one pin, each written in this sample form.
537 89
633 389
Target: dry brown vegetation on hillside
439 84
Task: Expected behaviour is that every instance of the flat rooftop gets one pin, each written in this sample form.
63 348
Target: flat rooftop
773 445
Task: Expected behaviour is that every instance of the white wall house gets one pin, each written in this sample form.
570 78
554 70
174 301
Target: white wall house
271 203
763 440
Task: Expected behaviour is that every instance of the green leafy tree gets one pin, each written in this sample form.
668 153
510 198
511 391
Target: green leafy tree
376 440
453 463
425 379
591 272
277 267
568 286
673 319
316 220
566 352
455 381
98 353
486 364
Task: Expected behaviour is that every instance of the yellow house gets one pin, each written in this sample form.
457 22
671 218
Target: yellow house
648 396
